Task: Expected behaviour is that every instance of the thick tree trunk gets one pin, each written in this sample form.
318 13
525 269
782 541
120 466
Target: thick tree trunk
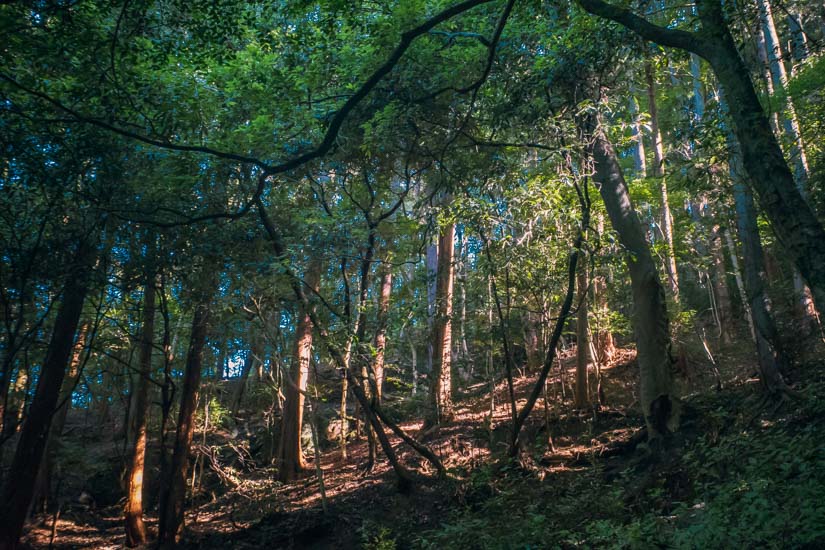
290 455
20 485
173 494
660 403
133 510
441 405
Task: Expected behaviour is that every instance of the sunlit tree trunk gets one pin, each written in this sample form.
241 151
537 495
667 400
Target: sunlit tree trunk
290 455
173 492
441 405
659 173
20 484
133 510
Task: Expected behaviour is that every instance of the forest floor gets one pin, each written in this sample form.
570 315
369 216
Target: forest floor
586 478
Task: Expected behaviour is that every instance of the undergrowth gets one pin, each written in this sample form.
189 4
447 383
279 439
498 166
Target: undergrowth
739 481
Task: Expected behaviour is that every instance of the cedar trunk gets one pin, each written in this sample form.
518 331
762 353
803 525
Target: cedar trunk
133 511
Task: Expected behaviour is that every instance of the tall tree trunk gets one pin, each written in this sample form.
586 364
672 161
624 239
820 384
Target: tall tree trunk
441 405
173 494
133 510
778 76
724 309
432 276
769 352
660 403
20 485
64 404
253 361
659 173
290 455
580 397
381 332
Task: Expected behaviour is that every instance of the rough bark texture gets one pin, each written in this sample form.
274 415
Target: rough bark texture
19 489
660 403
441 406
290 455
133 510
173 493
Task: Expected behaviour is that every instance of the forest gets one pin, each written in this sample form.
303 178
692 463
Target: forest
420 274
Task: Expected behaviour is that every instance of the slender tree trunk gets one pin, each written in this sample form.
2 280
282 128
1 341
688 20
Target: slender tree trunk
173 494
581 394
381 332
740 282
724 309
778 77
291 462
660 403
769 352
432 276
639 159
133 510
252 362
659 173
441 406
20 484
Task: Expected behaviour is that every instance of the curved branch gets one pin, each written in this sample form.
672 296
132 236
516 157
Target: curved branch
675 38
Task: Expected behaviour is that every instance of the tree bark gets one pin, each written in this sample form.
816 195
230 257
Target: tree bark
660 402
381 332
441 405
19 489
724 309
133 510
173 494
291 461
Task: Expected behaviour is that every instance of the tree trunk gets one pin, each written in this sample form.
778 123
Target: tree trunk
20 485
724 309
769 352
252 361
660 403
580 397
133 511
290 455
441 406
639 160
173 493
659 173
381 332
